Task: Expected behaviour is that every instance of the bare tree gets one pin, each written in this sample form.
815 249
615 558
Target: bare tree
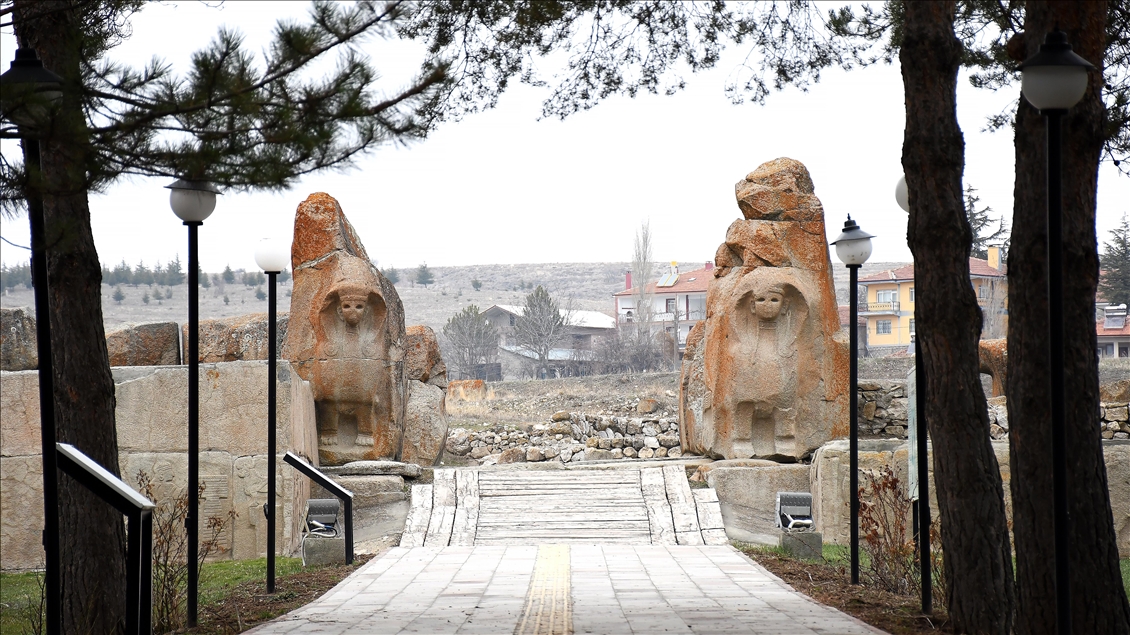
541 327
472 339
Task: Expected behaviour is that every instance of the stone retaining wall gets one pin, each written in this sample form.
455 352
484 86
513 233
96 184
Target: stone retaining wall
829 483
152 432
570 437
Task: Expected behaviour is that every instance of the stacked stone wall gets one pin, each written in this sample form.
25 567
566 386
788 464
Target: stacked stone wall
152 418
571 437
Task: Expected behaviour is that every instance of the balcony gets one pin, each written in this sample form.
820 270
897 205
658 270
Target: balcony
873 308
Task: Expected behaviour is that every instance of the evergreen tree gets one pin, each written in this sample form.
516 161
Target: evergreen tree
1114 284
228 275
205 279
118 295
174 275
260 294
284 276
424 275
141 275
16 275
476 284
392 274
987 229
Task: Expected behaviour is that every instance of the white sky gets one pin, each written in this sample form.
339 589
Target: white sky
502 187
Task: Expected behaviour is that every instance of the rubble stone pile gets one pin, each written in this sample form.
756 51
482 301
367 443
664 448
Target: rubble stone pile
568 437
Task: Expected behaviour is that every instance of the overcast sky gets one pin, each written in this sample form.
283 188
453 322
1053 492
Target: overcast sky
503 187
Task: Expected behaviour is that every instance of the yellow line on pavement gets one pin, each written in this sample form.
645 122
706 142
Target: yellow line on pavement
548 609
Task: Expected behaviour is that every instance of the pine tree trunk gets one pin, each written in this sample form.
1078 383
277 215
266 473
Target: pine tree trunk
92 535
1098 601
975 540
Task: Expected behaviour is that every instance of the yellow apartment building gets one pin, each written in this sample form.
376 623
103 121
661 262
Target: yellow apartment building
889 309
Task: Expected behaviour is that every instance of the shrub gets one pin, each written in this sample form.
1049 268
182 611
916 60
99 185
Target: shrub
118 295
260 294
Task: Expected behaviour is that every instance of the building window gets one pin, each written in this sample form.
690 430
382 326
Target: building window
883 327
885 296
983 290
912 327
912 294
670 305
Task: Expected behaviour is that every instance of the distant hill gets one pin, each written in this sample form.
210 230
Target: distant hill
589 284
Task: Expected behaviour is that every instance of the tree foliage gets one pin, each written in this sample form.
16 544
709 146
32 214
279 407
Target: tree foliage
987 229
424 275
392 274
1114 284
541 327
237 119
472 338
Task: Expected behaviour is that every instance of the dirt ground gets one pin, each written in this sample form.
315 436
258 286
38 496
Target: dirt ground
829 583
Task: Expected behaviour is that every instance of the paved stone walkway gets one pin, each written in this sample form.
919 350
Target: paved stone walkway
563 589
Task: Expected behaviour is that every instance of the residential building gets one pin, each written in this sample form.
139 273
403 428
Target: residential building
889 305
1113 332
678 300
573 356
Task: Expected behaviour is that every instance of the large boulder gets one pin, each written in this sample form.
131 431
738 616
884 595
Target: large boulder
346 337
774 364
17 340
425 424
422 359
237 339
692 390
994 362
151 344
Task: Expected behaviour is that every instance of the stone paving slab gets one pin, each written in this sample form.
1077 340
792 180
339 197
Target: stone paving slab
606 589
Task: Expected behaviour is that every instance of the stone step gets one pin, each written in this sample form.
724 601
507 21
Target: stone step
648 506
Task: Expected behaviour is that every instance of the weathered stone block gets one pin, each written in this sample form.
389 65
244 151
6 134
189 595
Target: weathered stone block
152 344
425 424
748 498
17 340
806 545
235 339
422 356
375 468
318 551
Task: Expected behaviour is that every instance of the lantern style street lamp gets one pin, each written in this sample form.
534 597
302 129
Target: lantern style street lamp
853 248
28 91
271 256
192 202
922 504
1053 80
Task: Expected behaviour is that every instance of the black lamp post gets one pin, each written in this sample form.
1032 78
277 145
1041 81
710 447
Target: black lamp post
922 505
1053 80
853 248
192 202
28 91
271 256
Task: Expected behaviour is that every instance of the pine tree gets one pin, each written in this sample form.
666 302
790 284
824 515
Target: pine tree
228 275
987 229
392 274
1114 284
118 295
424 275
174 275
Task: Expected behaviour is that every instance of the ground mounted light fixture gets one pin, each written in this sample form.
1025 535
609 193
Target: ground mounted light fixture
193 202
1053 80
922 503
271 256
853 248
27 93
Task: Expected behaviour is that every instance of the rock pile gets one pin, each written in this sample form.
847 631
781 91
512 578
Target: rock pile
1115 420
571 436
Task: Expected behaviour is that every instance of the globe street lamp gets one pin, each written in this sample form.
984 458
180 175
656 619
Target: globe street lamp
922 504
192 202
853 248
1053 80
271 256
27 93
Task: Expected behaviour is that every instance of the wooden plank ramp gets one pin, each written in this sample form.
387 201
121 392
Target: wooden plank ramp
527 507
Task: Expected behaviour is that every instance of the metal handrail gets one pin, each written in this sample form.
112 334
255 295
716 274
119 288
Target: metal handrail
343 494
139 512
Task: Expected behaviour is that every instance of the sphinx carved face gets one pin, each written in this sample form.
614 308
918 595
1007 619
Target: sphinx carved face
767 305
351 308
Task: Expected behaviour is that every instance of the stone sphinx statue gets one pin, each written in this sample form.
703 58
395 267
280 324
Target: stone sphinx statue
765 375
346 337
